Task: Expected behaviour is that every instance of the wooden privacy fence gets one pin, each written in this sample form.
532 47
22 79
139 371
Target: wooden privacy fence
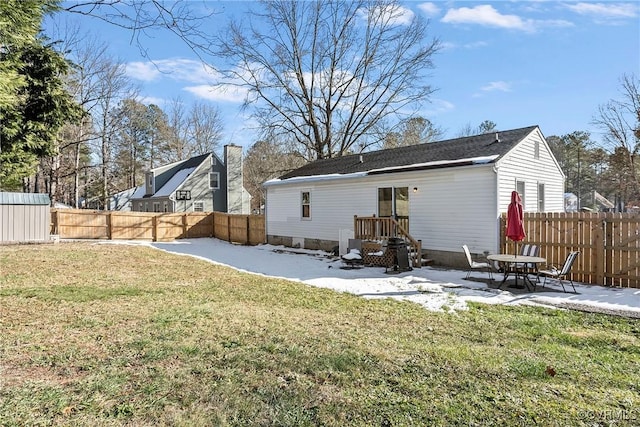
116 225
609 244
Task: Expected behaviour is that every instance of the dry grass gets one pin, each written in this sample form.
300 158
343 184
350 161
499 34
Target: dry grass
97 334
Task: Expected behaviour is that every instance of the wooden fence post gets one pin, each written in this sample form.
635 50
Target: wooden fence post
598 243
154 228
110 226
185 222
228 228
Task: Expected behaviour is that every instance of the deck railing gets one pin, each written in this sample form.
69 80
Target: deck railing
383 228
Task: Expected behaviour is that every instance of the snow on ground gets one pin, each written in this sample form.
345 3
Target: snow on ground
434 288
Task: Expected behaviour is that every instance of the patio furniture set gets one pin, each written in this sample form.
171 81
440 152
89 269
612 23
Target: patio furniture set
523 266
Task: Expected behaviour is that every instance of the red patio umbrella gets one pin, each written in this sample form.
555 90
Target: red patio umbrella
515 219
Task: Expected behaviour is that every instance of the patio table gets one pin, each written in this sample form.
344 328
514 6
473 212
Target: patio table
519 259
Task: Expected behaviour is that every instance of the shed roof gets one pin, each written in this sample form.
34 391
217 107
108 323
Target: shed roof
447 153
7 198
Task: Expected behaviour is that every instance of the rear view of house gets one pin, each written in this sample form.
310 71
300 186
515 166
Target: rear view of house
446 193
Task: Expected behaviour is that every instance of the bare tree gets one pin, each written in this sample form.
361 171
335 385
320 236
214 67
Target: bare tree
177 147
266 160
620 121
327 72
204 128
415 130
142 17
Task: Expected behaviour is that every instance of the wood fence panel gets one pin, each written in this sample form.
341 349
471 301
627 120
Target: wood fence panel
239 229
85 224
169 227
132 225
221 226
81 224
609 244
199 224
257 233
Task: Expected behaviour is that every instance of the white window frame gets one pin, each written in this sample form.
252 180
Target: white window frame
156 206
165 207
307 204
217 175
146 206
214 161
520 188
541 197
536 150
200 203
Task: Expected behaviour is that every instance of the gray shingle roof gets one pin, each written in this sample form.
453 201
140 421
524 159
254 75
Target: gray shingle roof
448 150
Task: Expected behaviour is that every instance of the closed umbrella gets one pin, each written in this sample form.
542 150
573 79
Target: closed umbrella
515 219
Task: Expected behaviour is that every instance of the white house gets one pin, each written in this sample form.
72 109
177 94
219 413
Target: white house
450 192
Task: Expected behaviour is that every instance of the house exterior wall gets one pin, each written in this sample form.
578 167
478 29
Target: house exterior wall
198 184
451 207
521 164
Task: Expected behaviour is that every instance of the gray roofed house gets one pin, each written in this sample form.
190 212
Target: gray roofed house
201 183
447 193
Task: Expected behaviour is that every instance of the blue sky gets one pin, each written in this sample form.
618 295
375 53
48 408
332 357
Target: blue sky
516 63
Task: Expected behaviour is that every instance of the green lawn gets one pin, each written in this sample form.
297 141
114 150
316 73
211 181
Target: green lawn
95 334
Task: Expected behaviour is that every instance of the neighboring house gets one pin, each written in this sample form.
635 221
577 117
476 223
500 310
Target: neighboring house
24 217
203 184
449 193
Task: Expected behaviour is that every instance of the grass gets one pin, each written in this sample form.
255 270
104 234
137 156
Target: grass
107 335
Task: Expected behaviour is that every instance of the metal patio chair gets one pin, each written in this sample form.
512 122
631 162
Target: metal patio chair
560 274
474 265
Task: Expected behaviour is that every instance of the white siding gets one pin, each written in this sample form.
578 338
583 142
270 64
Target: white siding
451 207
520 164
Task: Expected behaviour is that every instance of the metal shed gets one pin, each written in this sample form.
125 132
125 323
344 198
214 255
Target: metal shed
24 217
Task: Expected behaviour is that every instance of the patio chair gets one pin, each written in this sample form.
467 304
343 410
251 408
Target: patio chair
474 265
560 274
526 268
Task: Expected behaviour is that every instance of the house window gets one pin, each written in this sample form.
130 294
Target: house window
306 204
198 206
213 160
156 206
146 206
540 197
214 180
165 207
536 150
520 190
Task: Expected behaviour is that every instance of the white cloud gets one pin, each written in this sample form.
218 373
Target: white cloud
438 106
473 45
488 16
605 10
219 93
497 86
484 15
178 69
429 9
144 71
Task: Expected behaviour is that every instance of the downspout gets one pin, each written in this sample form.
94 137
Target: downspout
497 193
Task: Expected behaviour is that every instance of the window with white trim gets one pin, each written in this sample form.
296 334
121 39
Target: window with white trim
198 206
306 204
214 180
540 197
166 207
156 206
520 189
